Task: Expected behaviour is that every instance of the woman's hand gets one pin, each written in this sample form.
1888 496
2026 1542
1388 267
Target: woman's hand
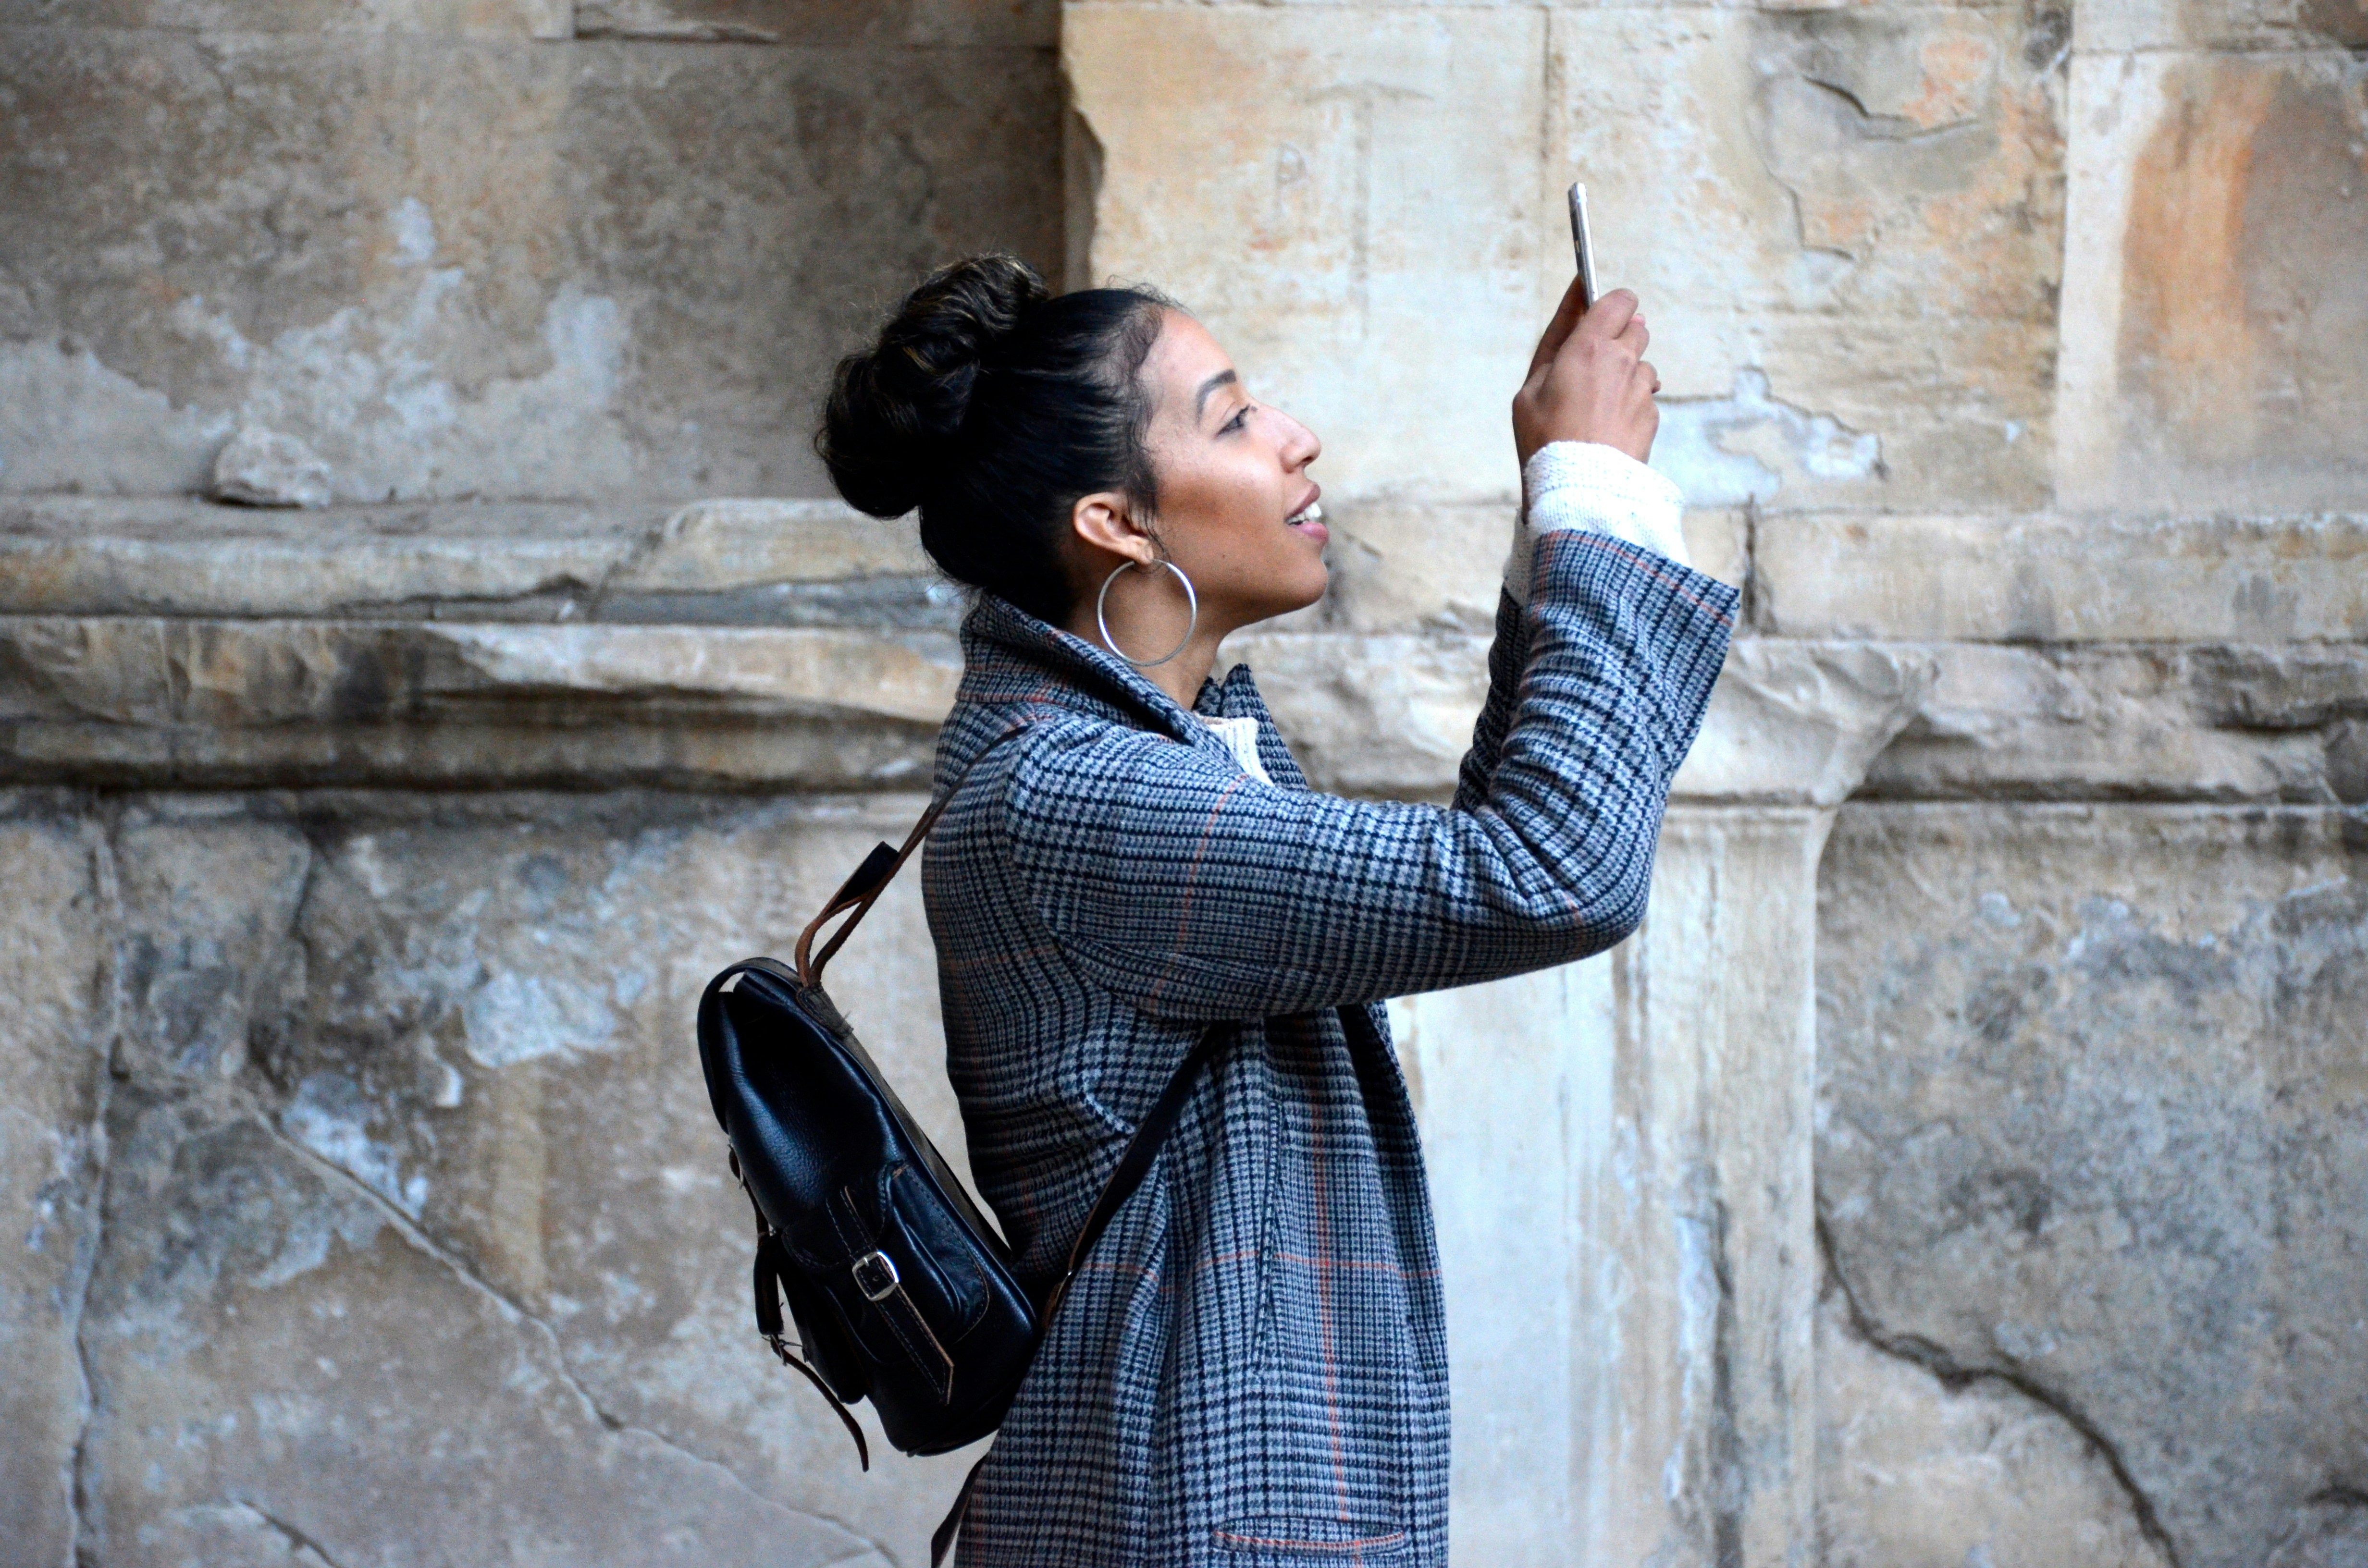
1589 380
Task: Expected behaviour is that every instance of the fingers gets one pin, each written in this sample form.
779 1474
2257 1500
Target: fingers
1566 317
1610 315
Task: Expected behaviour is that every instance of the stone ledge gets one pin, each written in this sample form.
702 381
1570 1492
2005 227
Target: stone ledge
1399 566
2058 578
152 701
2205 723
147 701
768 563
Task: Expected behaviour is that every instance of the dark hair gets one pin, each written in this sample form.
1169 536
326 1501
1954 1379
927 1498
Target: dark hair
993 407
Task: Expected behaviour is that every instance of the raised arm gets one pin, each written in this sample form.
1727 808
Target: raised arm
1583 426
1197 892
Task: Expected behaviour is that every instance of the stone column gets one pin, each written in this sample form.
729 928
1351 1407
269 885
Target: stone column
1621 1153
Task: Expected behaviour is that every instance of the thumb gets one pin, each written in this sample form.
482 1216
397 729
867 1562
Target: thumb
1566 317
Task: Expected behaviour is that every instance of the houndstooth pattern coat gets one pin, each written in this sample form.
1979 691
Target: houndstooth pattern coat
1251 1369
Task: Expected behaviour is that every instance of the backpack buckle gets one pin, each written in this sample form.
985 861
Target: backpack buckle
875 1275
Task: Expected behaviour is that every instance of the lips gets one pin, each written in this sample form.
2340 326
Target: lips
1309 519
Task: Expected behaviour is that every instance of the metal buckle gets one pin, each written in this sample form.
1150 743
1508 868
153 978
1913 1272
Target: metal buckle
883 1269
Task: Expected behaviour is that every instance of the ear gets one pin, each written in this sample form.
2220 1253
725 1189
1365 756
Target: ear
1105 522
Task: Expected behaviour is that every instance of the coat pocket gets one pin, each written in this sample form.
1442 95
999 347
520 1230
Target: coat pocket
1275 1541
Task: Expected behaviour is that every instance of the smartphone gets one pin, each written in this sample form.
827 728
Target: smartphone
1582 244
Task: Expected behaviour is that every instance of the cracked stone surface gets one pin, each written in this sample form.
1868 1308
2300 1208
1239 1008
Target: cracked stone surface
1913 1473
458 261
2094 1119
419 1244
54 971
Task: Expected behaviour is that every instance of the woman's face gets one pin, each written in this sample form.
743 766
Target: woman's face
1233 491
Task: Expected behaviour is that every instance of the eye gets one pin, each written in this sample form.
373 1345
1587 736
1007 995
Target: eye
1241 417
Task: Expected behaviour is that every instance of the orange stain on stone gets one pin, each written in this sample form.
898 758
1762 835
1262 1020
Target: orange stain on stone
2184 336
1956 70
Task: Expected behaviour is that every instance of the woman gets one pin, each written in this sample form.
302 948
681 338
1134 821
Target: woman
1252 1367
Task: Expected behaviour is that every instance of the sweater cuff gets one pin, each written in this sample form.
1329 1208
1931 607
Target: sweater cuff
1598 489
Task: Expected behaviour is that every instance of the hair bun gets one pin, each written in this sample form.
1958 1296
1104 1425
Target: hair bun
896 406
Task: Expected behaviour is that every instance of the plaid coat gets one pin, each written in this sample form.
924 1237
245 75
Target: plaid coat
1252 1367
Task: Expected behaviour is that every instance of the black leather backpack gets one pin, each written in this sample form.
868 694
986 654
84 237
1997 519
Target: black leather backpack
900 1291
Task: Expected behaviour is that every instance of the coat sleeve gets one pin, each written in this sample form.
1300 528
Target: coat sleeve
1196 893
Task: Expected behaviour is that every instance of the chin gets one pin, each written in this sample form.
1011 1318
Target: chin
1306 591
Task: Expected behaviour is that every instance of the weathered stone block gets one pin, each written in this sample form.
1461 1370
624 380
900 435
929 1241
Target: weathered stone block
1844 225
53 970
2051 578
1035 23
1308 221
1914 1472
174 556
2094 1119
209 899
2216 344
294 701
1797 724
1400 567
416 1192
464 267
498 18
273 1346
2221 723
750 562
2119 27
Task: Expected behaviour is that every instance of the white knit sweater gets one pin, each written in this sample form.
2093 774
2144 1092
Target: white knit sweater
1582 484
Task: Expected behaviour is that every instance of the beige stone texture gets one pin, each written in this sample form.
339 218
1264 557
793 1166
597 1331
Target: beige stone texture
412 1160
2091 1086
1620 1161
490 18
1034 23
2228 723
238 702
2121 26
1845 223
462 265
1914 1472
1400 566
55 974
1797 724
2055 579
1863 312
746 561
1280 172
2216 344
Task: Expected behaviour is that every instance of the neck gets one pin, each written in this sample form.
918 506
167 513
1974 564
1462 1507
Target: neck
1181 676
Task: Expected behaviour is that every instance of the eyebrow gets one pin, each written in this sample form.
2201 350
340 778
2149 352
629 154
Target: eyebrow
1200 398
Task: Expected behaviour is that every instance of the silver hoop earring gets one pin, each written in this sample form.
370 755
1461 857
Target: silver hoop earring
1102 619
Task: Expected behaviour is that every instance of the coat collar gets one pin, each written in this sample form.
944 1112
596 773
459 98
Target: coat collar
1012 659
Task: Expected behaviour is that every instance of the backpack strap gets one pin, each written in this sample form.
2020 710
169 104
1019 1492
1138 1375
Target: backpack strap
1135 1163
1150 1134
862 889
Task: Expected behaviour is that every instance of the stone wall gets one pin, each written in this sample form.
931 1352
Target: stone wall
1964 1166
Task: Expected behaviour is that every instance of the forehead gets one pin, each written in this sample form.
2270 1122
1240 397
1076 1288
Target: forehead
1182 358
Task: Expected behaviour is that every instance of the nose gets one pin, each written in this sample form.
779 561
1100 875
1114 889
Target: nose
1300 446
